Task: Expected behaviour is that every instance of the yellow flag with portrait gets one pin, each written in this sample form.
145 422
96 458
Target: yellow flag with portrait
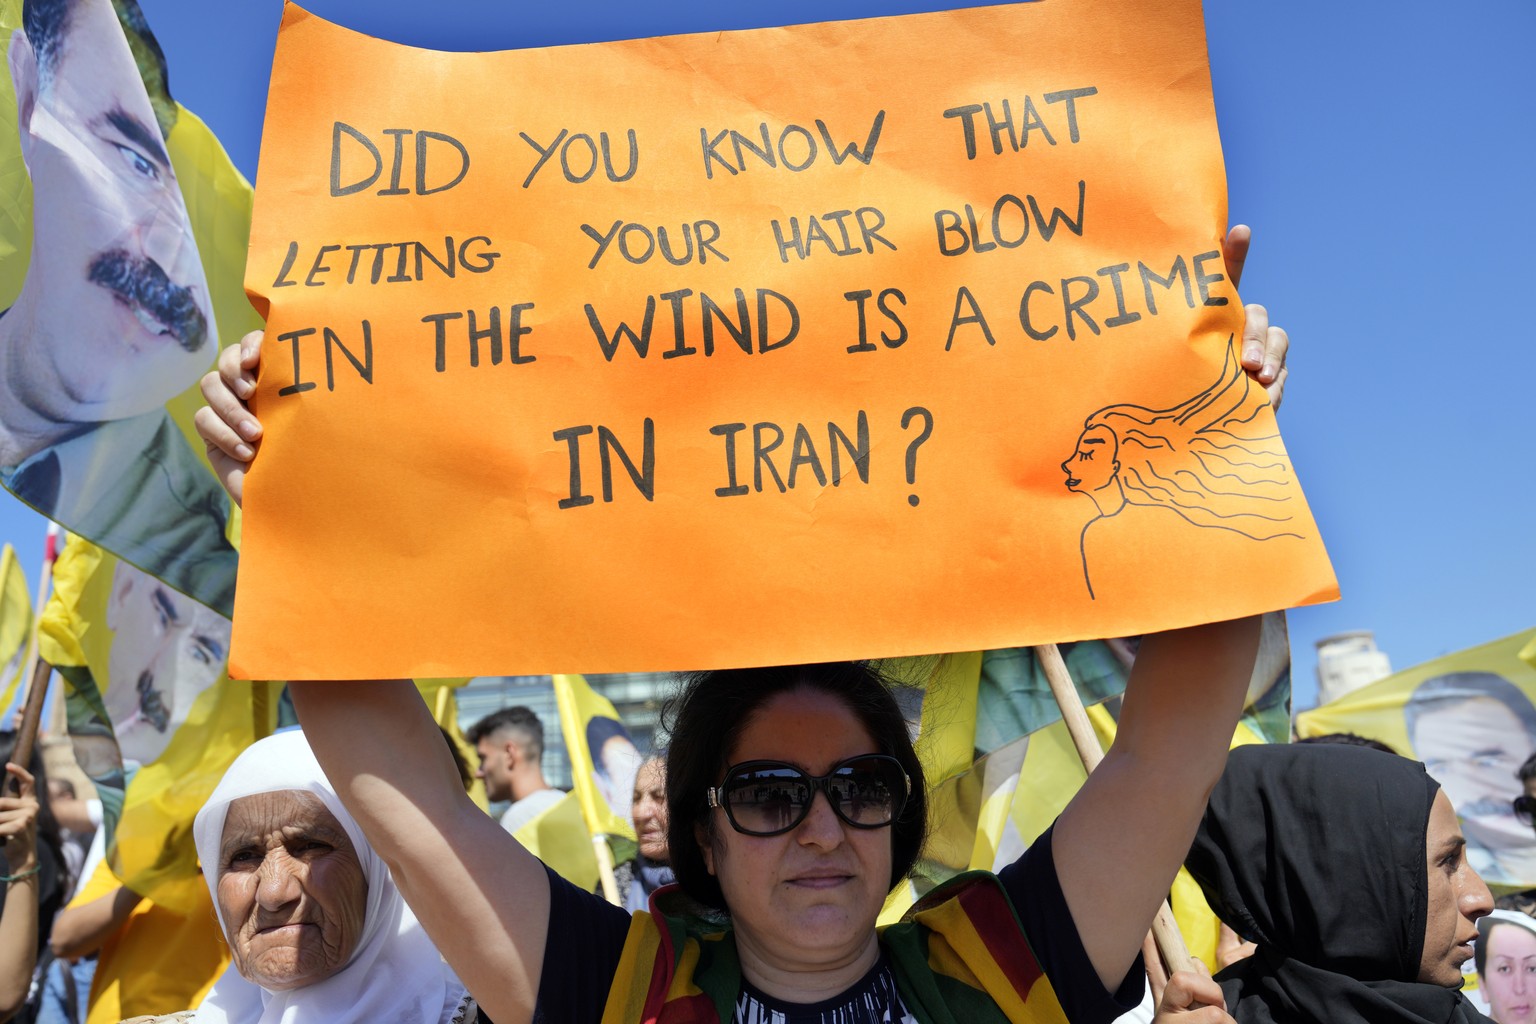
604 759
123 235
152 715
1471 718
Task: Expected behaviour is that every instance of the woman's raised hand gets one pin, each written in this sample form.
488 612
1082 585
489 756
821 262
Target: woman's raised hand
1264 346
18 821
229 431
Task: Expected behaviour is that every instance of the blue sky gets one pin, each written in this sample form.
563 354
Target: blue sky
1385 164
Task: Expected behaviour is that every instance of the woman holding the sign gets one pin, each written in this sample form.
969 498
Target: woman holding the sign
796 804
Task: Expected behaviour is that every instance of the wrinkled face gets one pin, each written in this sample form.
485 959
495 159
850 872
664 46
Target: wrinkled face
496 759
649 808
1092 466
166 650
811 895
1473 748
1509 974
116 256
1457 898
291 891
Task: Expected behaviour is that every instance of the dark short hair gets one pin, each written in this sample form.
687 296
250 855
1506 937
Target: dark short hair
1439 692
601 729
516 719
1485 927
1348 739
45 22
1527 771
707 718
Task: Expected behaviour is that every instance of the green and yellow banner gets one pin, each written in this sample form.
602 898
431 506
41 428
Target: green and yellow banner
1001 766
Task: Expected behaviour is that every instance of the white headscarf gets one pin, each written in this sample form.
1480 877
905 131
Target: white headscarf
395 976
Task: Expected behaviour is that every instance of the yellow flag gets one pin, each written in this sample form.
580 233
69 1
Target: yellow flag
559 838
986 721
15 625
603 757
153 717
129 475
985 810
1471 718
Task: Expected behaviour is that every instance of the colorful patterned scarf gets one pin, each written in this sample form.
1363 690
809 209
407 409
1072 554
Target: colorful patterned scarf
959 956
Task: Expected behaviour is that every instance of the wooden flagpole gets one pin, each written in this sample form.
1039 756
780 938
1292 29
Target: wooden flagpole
605 870
1165 931
38 670
31 719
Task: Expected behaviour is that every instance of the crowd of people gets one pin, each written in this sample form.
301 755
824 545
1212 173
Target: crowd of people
1343 867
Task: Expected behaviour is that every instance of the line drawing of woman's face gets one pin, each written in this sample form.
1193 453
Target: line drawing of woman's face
1093 464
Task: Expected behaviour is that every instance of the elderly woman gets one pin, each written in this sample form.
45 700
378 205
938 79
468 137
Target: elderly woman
652 865
1348 868
796 803
317 930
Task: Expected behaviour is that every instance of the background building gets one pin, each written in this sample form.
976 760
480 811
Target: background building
1348 661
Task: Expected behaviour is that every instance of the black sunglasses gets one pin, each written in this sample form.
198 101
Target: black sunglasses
1525 809
768 798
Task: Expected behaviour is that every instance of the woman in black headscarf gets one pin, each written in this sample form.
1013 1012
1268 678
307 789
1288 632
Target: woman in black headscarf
1346 866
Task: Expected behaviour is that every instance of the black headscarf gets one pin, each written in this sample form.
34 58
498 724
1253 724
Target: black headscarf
1317 853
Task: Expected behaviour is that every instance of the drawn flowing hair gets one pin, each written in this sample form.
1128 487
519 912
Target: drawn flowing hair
1212 459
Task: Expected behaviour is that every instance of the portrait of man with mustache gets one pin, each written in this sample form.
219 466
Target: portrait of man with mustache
1473 730
114 317
166 650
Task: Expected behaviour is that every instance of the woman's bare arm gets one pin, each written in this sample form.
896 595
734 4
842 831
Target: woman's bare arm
1121 840
482 898
18 915
80 931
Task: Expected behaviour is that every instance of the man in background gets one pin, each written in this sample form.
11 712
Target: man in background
510 743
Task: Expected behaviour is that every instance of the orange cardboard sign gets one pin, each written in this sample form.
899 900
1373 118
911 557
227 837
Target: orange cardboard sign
855 339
